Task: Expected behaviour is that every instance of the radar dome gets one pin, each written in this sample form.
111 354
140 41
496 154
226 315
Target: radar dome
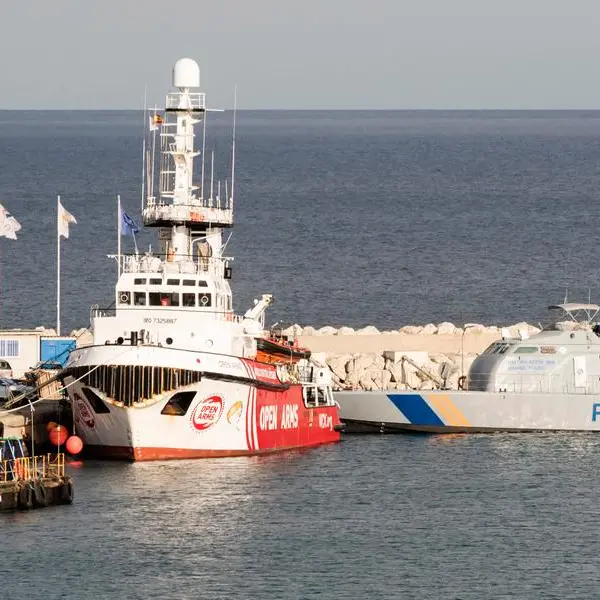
186 73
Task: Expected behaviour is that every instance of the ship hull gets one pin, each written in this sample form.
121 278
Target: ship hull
237 407
467 412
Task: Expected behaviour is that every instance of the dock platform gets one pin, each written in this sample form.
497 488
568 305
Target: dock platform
34 482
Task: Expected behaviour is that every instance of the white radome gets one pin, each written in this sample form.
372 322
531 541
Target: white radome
186 73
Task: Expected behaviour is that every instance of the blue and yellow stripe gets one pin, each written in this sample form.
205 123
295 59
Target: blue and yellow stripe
434 410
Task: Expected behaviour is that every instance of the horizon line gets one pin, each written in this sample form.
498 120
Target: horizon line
323 109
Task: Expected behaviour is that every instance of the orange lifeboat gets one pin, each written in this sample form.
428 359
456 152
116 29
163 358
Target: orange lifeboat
278 350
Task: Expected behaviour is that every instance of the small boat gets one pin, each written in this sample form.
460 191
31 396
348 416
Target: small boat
549 382
276 350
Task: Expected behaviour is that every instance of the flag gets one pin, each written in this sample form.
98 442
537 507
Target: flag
8 225
155 121
128 225
64 218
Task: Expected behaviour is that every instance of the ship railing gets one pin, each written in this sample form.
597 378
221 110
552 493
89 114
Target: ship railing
179 100
206 210
111 312
32 467
168 265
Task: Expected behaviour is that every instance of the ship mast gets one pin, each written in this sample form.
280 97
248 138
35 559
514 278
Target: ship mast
179 208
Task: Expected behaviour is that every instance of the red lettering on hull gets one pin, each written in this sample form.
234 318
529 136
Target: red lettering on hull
284 421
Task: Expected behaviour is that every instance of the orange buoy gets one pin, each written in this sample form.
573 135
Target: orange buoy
74 445
50 425
58 435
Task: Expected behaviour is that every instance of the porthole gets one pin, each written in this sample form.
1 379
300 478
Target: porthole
169 341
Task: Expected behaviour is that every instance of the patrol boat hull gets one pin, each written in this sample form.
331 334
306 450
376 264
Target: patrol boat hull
549 382
467 412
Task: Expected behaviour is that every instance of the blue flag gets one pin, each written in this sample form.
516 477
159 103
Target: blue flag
128 225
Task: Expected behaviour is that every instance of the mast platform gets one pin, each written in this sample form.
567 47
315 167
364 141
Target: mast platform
208 213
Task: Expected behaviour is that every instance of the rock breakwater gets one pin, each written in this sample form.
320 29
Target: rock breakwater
414 357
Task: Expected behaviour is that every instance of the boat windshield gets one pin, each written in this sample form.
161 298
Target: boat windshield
571 316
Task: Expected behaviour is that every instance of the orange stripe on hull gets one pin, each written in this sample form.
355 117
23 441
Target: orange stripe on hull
144 454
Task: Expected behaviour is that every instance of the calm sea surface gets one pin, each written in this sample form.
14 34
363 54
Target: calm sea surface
470 518
349 218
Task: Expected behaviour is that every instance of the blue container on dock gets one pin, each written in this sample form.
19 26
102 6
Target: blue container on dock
56 350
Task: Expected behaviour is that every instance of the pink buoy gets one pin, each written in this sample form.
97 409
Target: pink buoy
58 435
74 445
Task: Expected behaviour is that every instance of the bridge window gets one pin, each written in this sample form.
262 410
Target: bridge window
526 349
139 281
202 284
189 282
161 299
155 281
172 281
188 299
204 300
139 298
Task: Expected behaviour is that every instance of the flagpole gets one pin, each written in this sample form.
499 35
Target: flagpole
119 234
144 146
57 266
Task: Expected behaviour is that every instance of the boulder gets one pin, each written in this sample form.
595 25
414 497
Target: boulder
410 329
386 379
438 358
368 330
345 331
428 329
293 331
328 330
427 385
452 381
410 377
474 328
83 337
446 328
337 364
309 331
365 361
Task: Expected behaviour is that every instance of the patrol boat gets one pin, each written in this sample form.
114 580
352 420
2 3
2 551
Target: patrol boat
549 382
173 372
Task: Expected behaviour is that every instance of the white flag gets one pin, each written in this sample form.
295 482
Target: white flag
64 218
8 225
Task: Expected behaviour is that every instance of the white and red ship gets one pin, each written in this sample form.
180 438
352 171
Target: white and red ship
173 372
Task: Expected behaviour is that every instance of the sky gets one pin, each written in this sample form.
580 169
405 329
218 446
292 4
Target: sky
304 54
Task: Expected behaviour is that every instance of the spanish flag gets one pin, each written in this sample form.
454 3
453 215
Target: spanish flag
155 121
